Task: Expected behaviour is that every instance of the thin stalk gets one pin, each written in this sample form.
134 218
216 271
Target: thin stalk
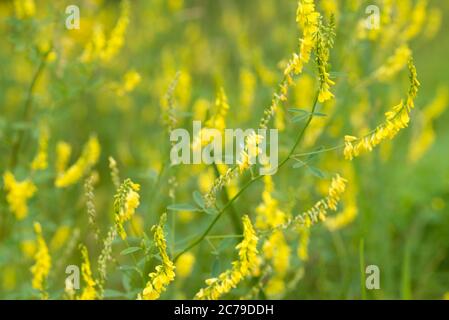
27 110
235 219
248 184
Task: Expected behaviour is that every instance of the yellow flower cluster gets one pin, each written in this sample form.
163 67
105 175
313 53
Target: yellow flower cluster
277 250
18 194
218 121
418 18
268 213
89 291
250 152
130 80
396 119
319 210
394 64
165 273
349 212
241 268
99 48
303 245
40 161
275 247
63 152
184 264
424 138
126 202
24 8
88 158
308 20
60 237
41 268
323 46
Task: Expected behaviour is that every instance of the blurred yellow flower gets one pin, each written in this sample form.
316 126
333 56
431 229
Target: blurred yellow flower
165 273
60 238
241 268
89 290
184 265
88 158
18 194
126 202
24 8
41 268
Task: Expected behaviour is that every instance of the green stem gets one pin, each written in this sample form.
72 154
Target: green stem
248 184
27 110
235 219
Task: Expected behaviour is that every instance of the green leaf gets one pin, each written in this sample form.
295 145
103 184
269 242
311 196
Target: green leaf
211 211
130 250
198 198
215 267
316 172
299 118
183 207
319 114
296 110
299 164
303 114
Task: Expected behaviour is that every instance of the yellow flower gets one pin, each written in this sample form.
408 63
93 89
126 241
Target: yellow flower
323 45
165 273
247 262
394 64
175 5
268 213
418 17
303 245
275 286
184 264
349 213
24 8
397 119
60 237
94 48
319 210
40 161
307 19
250 152
130 80
28 248
41 268
88 158
206 180
105 50
126 202
89 291
423 139
200 108
63 152
218 121
116 39
276 249
17 194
